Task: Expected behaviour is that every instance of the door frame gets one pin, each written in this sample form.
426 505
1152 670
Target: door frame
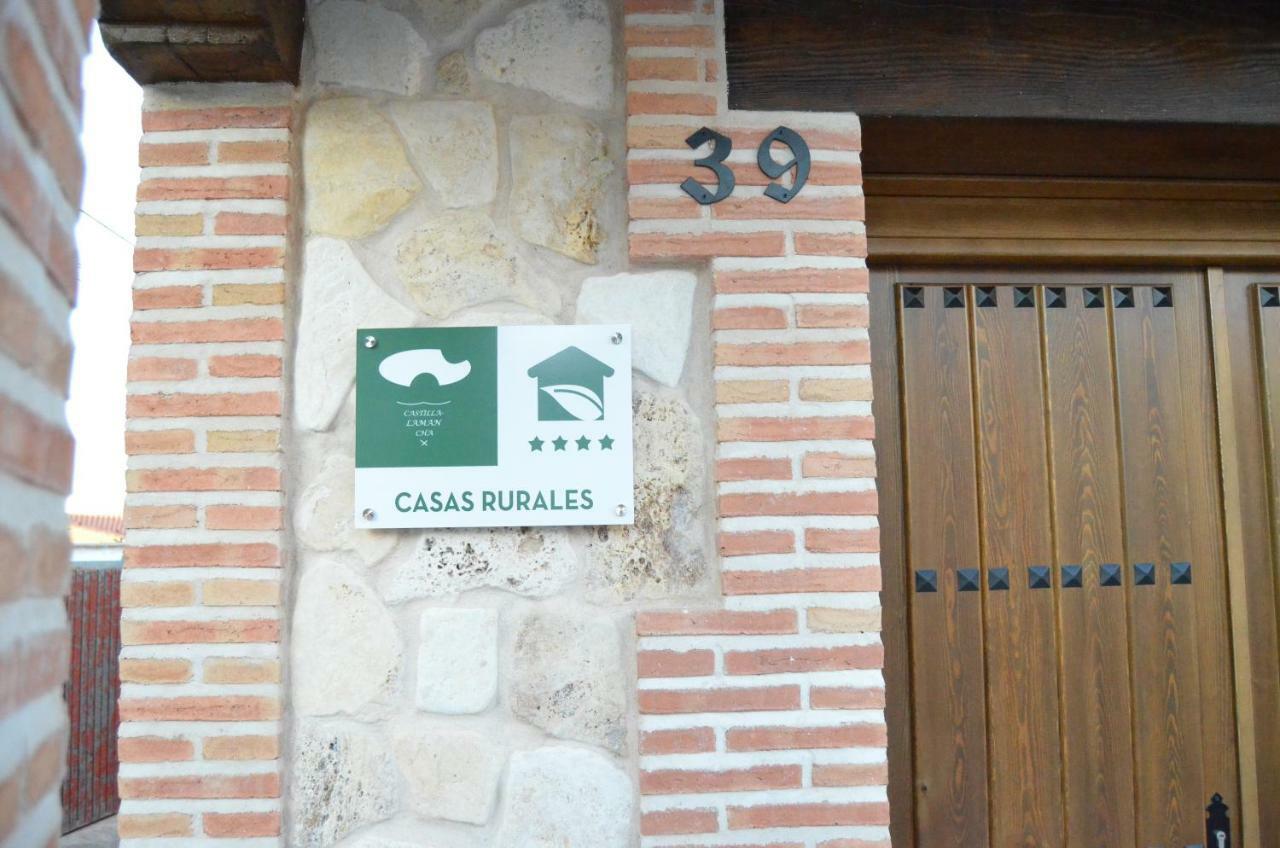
1253 643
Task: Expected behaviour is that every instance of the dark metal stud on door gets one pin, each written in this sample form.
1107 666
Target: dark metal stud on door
953 297
1072 577
1093 298
1180 573
1040 577
987 296
967 579
1024 297
1269 296
1122 296
1144 574
926 580
913 297
1162 297
1055 298
1109 574
998 579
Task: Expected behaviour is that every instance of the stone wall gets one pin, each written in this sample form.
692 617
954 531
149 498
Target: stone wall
42 43
464 164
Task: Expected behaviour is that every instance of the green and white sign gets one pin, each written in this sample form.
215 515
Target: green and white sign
493 426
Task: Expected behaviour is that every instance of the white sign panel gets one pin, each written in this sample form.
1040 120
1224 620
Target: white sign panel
493 426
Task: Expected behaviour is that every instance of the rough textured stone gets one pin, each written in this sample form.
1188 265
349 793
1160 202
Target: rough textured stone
659 308
458 660
451 775
663 552
533 561
322 518
566 798
562 48
346 651
568 678
338 296
443 17
357 175
453 74
459 259
362 45
559 165
454 144
342 778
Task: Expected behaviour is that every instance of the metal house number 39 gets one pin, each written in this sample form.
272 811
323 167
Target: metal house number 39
722 146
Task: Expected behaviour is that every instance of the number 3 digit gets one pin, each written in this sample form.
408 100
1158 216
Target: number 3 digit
715 163
773 170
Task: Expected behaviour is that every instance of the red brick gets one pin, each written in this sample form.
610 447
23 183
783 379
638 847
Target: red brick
831 244
669 36
148 671
801 208
861 579
697 663
26 335
202 786
794 353
226 117
65 46
244 365
802 738
725 700
784 660
224 517
823 541
647 208
715 623
200 332
677 68
137 442
757 542
182 153
753 468
837 465
200 708
37 107
831 316
666 822
707 245
681 782
203 480
161 368
228 554
795 281
146 825
250 224
846 698
685 741
749 318
154 749
851 774
241 824
795 429
669 103
182 405
214 188
33 449
809 815
206 258
253 151
234 631
154 517
803 503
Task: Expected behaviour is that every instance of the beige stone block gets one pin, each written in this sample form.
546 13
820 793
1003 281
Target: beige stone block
243 441
833 620
235 294
753 391
835 390
168 225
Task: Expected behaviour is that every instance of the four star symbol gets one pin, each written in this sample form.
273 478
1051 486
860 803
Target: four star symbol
561 443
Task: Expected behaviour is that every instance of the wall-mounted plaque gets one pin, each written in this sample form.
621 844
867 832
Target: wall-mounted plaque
493 426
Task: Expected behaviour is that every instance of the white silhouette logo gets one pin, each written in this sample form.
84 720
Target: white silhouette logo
406 366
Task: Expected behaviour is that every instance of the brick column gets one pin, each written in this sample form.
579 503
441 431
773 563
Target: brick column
762 721
200 669
41 173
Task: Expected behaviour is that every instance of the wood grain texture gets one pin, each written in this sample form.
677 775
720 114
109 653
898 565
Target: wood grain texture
947 638
1116 60
1020 623
1092 621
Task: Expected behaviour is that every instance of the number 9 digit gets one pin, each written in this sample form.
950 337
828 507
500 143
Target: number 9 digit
773 170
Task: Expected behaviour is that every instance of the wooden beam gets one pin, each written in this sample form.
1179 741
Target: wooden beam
205 41
1089 60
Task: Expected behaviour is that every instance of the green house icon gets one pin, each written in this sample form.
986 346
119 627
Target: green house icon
570 386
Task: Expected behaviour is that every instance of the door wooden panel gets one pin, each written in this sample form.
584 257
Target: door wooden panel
1071 680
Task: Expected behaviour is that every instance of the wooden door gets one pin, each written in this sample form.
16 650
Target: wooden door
1056 584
